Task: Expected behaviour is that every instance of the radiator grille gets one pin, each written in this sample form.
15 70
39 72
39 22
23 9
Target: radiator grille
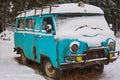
93 54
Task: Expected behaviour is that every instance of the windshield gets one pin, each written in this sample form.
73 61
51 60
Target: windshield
78 26
90 29
69 23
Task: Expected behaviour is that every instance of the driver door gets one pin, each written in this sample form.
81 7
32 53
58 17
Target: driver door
47 42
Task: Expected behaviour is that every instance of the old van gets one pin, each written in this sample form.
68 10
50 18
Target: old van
65 36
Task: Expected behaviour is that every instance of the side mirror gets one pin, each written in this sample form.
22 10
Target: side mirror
111 26
53 33
49 28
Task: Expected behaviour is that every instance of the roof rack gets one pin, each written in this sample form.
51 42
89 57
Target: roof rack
37 8
43 7
20 12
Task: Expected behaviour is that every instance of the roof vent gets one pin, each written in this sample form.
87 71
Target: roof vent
81 4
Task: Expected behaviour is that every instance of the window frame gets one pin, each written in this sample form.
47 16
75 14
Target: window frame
17 24
53 23
32 26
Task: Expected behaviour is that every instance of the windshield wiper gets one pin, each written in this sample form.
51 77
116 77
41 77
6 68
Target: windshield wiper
87 26
81 27
97 28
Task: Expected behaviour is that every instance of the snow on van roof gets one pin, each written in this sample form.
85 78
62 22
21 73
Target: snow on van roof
65 8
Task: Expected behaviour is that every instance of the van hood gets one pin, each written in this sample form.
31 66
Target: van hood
93 38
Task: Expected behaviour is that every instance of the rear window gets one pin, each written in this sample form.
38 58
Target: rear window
20 25
30 24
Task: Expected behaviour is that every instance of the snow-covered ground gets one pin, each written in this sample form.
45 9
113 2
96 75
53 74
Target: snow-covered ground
10 69
111 71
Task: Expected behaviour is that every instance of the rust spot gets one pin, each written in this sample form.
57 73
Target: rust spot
34 52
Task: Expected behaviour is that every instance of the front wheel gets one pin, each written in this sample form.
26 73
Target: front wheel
100 67
49 70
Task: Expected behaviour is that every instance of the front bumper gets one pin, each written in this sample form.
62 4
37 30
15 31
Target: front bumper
87 63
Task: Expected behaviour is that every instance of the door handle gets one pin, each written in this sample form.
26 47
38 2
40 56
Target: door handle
40 36
23 34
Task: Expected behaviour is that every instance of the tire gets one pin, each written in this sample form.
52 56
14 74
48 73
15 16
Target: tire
49 70
23 59
99 67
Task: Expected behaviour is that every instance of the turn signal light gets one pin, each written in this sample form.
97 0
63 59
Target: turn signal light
111 55
71 58
78 59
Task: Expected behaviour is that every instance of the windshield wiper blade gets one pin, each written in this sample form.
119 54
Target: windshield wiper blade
81 27
87 26
97 28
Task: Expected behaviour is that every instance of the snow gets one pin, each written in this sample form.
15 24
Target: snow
31 12
7 35
74 8
10 69
111 71
118 44
65 8
94 29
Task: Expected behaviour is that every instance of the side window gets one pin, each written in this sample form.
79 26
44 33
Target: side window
20 25
30 24
47 25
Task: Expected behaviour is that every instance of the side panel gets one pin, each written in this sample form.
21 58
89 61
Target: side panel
18 39
28 45
47 46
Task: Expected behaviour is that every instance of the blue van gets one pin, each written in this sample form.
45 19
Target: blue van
65 36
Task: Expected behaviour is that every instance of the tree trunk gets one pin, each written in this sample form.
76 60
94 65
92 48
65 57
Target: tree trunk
26 4
0 27
3 23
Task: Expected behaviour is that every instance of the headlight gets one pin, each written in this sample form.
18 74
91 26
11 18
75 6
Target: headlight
74 46
111 45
